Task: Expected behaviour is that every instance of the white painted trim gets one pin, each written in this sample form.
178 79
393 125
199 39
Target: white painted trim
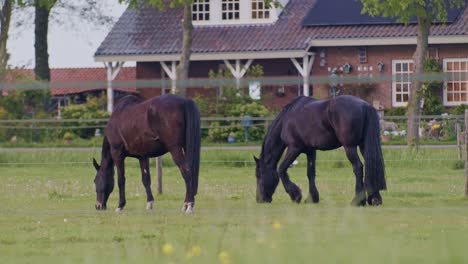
245 15
444 67
246 67
112 72
205 56
239 71
171 72
394 102
386 41
298 66
304 69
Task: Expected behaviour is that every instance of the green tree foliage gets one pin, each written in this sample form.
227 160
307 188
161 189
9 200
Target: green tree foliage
88 10
432 90
426 12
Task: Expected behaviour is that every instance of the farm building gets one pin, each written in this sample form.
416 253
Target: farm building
307 39
74 84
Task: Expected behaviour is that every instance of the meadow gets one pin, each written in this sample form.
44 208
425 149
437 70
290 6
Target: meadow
47 213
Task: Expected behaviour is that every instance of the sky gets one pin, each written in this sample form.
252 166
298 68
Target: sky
69 47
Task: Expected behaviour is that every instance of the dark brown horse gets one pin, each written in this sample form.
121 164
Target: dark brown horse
145 129
307 125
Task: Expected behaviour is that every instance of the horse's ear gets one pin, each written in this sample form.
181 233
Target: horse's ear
96 165
256 159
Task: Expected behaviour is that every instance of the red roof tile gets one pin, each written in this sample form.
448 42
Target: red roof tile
77 80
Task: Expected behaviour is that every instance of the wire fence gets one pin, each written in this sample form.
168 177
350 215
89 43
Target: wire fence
362 77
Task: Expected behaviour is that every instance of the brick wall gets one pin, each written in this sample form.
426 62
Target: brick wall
335 57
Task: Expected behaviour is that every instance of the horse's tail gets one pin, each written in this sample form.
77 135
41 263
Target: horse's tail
192 141
374 163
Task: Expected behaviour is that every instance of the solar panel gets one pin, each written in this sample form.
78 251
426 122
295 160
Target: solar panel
348 12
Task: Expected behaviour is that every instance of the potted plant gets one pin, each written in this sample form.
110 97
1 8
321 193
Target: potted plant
387 136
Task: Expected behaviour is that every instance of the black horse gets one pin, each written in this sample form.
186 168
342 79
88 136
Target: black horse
306 125
144 129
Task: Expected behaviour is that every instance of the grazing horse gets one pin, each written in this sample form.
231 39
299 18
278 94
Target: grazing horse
306 125
144 129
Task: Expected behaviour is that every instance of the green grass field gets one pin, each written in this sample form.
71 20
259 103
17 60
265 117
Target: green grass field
47 213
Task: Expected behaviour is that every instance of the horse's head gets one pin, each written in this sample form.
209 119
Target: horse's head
104 182
267 181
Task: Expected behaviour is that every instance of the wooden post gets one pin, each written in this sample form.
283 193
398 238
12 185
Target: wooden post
459 143
159 174
466 152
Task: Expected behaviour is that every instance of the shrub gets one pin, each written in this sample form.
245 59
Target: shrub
233 102
395 111
458 110
92 109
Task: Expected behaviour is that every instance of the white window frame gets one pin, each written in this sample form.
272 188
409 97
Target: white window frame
395 82
231 11
245 15
196 10
460 77
259 11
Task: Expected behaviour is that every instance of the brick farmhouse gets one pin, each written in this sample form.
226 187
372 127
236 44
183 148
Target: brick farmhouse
306 40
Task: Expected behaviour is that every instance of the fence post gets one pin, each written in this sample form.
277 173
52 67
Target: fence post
466 152
459 142
159 174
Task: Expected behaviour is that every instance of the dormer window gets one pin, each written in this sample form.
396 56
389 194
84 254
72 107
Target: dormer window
201 10
260 10
234 12
230 10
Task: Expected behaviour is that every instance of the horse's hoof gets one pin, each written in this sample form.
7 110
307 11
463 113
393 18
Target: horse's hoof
100 207
149 205
297 198
187 208
358 202
311 199
375 202
295 193
118 210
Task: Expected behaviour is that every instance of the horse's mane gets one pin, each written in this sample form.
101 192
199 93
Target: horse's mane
275 125
126 101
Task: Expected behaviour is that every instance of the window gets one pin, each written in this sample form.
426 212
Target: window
201 10
456 85
260 10
401 82
230 10
362 53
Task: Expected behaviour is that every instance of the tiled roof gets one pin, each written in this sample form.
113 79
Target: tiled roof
151 32
77 80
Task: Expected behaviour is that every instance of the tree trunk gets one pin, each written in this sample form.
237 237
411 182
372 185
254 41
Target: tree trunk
183 67
41 23
415 96
5 17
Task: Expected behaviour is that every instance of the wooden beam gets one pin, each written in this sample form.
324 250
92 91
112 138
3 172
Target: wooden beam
112 72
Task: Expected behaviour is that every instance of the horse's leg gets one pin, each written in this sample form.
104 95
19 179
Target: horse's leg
179 159
372 198
353 156
146 179
291 188
120 164
313 192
